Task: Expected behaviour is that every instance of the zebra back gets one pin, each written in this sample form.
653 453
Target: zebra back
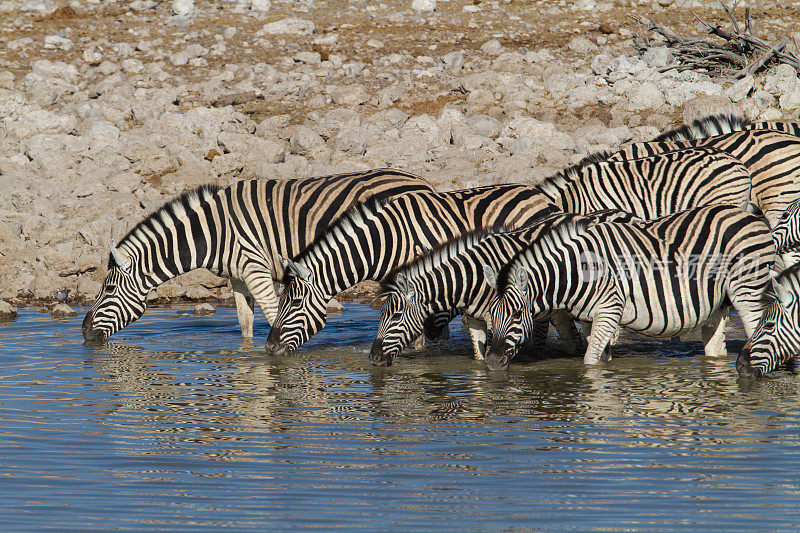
772 159
650 186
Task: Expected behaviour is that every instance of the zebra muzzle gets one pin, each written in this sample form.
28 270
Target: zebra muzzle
376 355
743 366
273 346
90 333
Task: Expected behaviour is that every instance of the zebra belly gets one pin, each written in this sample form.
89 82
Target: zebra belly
670 306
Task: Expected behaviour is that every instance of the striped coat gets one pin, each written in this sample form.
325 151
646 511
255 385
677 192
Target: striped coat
375 238
661 278
238 232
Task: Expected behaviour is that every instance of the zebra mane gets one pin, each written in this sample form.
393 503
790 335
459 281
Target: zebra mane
436 256
558 233
573 171
705 127
172 209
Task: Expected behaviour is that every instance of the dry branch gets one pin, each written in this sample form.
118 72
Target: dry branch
738 54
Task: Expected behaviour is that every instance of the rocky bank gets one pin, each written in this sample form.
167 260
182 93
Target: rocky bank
108 109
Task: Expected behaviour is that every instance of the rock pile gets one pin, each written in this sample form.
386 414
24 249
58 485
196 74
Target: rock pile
107 112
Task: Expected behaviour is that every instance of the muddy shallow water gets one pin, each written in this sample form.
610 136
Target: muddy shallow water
175 425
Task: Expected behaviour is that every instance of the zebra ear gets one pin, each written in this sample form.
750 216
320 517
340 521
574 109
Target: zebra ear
784 295
296 270
401 281
490 275
119 259
521 279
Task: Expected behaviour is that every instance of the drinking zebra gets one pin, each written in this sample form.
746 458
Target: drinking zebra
776 338
648 187
374 238
451 277
237 232
661 278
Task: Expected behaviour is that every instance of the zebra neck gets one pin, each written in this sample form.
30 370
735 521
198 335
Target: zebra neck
175 240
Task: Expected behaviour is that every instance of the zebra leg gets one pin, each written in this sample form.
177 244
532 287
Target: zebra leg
244 307
571 338
713 333
604 325
477 332
539 335
260 285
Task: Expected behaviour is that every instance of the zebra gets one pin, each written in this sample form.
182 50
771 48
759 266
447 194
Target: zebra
655 185
661 278
772 159
652 186
450 277
776 338
786 232
237 232
376 237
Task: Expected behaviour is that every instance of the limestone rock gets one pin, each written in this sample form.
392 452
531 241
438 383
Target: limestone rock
62 311
7 311
204 309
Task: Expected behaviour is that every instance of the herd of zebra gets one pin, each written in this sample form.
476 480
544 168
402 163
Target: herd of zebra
660 238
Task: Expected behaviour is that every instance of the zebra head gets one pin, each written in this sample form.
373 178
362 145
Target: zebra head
776 338
402 320
511 316
122 299
786 232
302 311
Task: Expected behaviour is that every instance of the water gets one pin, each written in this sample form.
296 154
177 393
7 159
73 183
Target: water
177 426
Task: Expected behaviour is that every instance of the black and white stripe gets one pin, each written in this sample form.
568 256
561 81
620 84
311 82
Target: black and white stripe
451 277
786 232
661 278
651 186
375 238
769 150
238 232
776 338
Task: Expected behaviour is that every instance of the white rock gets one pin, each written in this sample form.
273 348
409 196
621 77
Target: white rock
423 5
56 42
739 90
306 142
204 309
132 66
484 125
375 43
92 56
260 6
142 5
349 95
492 47
7 311
453 60
311 58
290 25
179 58
706 105
790 100
780 79
471 8
658 57
585 5
183 8
63 311
646 96
582 45
6 79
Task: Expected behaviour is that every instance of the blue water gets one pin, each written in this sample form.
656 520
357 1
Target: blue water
176 425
